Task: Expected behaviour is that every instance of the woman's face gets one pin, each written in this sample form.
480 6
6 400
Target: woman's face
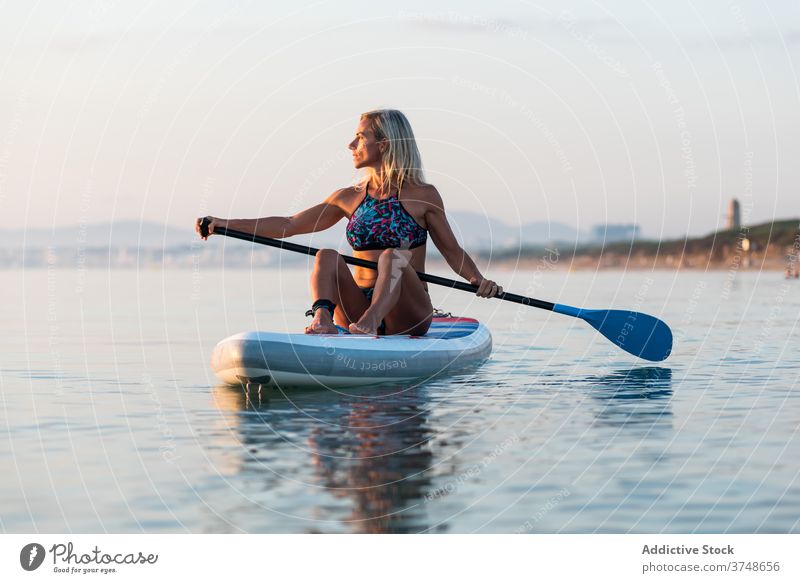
367 151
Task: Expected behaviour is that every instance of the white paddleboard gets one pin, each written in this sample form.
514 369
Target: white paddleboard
349 360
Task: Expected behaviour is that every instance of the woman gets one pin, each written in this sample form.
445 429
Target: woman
390 214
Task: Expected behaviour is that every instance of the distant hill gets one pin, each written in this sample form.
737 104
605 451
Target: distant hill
474 231
133 244
716 245
137 244
119 234
768 245
477 231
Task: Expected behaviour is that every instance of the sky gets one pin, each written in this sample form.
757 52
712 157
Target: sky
654 113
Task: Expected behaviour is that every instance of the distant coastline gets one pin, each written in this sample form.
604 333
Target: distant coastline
767 246
772 246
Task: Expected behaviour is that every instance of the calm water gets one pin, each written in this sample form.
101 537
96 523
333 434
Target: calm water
112 420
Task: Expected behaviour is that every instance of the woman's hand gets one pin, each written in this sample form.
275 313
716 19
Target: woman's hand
486 287
212 222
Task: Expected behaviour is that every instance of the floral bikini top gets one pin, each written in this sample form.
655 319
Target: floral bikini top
383 224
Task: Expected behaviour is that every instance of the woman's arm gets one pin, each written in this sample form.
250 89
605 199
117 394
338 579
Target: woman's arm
458 259
316 218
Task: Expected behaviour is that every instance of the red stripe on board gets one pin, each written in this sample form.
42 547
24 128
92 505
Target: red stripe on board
451 320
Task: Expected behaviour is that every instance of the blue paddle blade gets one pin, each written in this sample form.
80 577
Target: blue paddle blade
639 334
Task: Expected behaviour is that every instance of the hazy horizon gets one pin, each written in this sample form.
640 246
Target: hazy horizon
572 112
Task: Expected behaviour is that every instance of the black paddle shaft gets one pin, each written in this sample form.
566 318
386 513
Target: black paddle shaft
435 279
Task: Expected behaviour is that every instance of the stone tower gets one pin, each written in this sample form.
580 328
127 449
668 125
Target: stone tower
734 216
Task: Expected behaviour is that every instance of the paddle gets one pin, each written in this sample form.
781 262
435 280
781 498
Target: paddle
639 334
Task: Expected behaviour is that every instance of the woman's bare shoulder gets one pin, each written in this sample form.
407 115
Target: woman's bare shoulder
347 198
345 195
426 193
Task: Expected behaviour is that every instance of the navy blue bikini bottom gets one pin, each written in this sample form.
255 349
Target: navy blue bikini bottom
368 291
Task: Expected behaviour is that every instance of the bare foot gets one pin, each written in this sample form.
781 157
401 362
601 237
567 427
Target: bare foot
322 324
366 325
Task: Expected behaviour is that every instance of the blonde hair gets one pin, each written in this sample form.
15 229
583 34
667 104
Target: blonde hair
401 161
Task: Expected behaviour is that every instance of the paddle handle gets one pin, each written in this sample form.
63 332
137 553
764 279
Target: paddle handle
426 277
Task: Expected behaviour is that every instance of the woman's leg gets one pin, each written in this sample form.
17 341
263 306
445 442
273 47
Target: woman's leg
332 280
399 299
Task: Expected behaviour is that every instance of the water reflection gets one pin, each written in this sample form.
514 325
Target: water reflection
368 447
634 396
